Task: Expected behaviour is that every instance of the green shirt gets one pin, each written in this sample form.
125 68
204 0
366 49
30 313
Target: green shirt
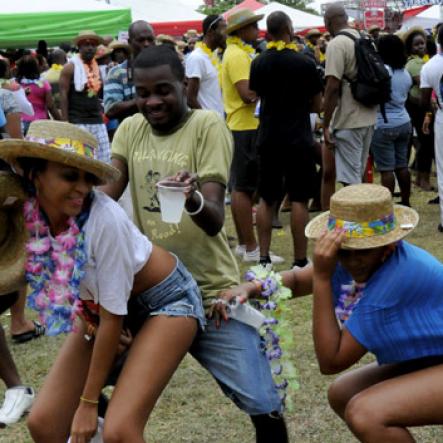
414 67
201 145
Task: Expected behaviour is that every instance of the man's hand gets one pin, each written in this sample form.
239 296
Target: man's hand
329 141
125 341
186 179
220 309
326 254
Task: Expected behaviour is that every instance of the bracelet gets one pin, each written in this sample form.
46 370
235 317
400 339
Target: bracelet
86 400
200 208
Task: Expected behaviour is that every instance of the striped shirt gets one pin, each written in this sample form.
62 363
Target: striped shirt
400 315
118 87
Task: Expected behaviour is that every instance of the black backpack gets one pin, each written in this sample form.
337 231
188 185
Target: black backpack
372 86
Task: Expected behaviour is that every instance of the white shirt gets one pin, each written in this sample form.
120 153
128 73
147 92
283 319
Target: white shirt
198 65
116 251
431 75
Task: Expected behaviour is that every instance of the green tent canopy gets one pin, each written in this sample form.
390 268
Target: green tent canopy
25 29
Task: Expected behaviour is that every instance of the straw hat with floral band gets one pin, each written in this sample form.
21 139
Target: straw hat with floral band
313 33
367 215
59 142
13 234
88 35
241 18
102 51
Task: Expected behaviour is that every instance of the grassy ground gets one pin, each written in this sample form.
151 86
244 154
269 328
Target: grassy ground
192 409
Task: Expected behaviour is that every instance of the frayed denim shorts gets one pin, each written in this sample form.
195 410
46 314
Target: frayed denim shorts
177 295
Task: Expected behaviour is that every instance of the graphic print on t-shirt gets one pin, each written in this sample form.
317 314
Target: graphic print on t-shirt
151 180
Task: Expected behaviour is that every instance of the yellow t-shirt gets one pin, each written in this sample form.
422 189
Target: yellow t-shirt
202 145
236 66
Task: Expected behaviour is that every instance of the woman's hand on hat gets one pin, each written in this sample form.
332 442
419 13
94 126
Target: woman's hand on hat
326 253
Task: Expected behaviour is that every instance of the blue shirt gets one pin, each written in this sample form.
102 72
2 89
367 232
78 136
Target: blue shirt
401 83
2 118
400 315
118 87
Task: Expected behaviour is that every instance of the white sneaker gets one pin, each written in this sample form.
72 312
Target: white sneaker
254 256
240 250
17 402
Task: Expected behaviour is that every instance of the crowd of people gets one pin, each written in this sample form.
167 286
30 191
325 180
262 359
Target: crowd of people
89 131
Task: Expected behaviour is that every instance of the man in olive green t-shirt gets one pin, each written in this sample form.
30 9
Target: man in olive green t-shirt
168 140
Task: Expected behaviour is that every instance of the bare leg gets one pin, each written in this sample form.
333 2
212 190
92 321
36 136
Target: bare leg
299 220
265 212
19 324
8 370
52 413
241 207
328 179
382 412
388 180
154 356
404 181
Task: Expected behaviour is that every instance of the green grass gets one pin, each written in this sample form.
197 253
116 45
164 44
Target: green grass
193 409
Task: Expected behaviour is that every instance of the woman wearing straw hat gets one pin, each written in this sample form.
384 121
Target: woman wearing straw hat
374 292
88 266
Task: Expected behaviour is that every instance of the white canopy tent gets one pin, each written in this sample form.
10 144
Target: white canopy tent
156 11
300 19
426 19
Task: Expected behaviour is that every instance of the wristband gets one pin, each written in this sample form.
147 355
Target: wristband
200 208
86 400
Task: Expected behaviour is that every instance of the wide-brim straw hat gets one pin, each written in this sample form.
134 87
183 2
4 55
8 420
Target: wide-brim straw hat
102 51
313 33
414 30
60 142
88 35
13 234
367 215
241 18
119 44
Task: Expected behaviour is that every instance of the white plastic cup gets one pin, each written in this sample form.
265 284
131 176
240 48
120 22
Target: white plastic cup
172 201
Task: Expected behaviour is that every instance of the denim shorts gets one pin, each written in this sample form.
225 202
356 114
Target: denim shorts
390 147
176 296
235 356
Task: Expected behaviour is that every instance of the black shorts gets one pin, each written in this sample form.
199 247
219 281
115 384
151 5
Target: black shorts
244 166
7 300
287 170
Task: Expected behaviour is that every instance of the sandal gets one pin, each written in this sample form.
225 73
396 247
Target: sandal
38 331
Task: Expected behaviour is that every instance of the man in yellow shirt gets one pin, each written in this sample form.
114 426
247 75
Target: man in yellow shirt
240 102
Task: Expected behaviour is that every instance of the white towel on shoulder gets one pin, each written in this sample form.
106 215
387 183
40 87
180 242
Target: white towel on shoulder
80 76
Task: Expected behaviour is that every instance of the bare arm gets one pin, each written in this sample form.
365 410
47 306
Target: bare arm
13 125
51 106
332 93
316 103
193 88
64 85
122 109
245 93
425 102
116 189
336 349
299 280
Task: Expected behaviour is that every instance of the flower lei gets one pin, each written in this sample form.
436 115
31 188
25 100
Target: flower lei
94 83
276 331
280 45
54 269
213 56
234 40
56 67
347 301
28 81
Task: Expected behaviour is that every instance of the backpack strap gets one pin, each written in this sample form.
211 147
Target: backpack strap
348 34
